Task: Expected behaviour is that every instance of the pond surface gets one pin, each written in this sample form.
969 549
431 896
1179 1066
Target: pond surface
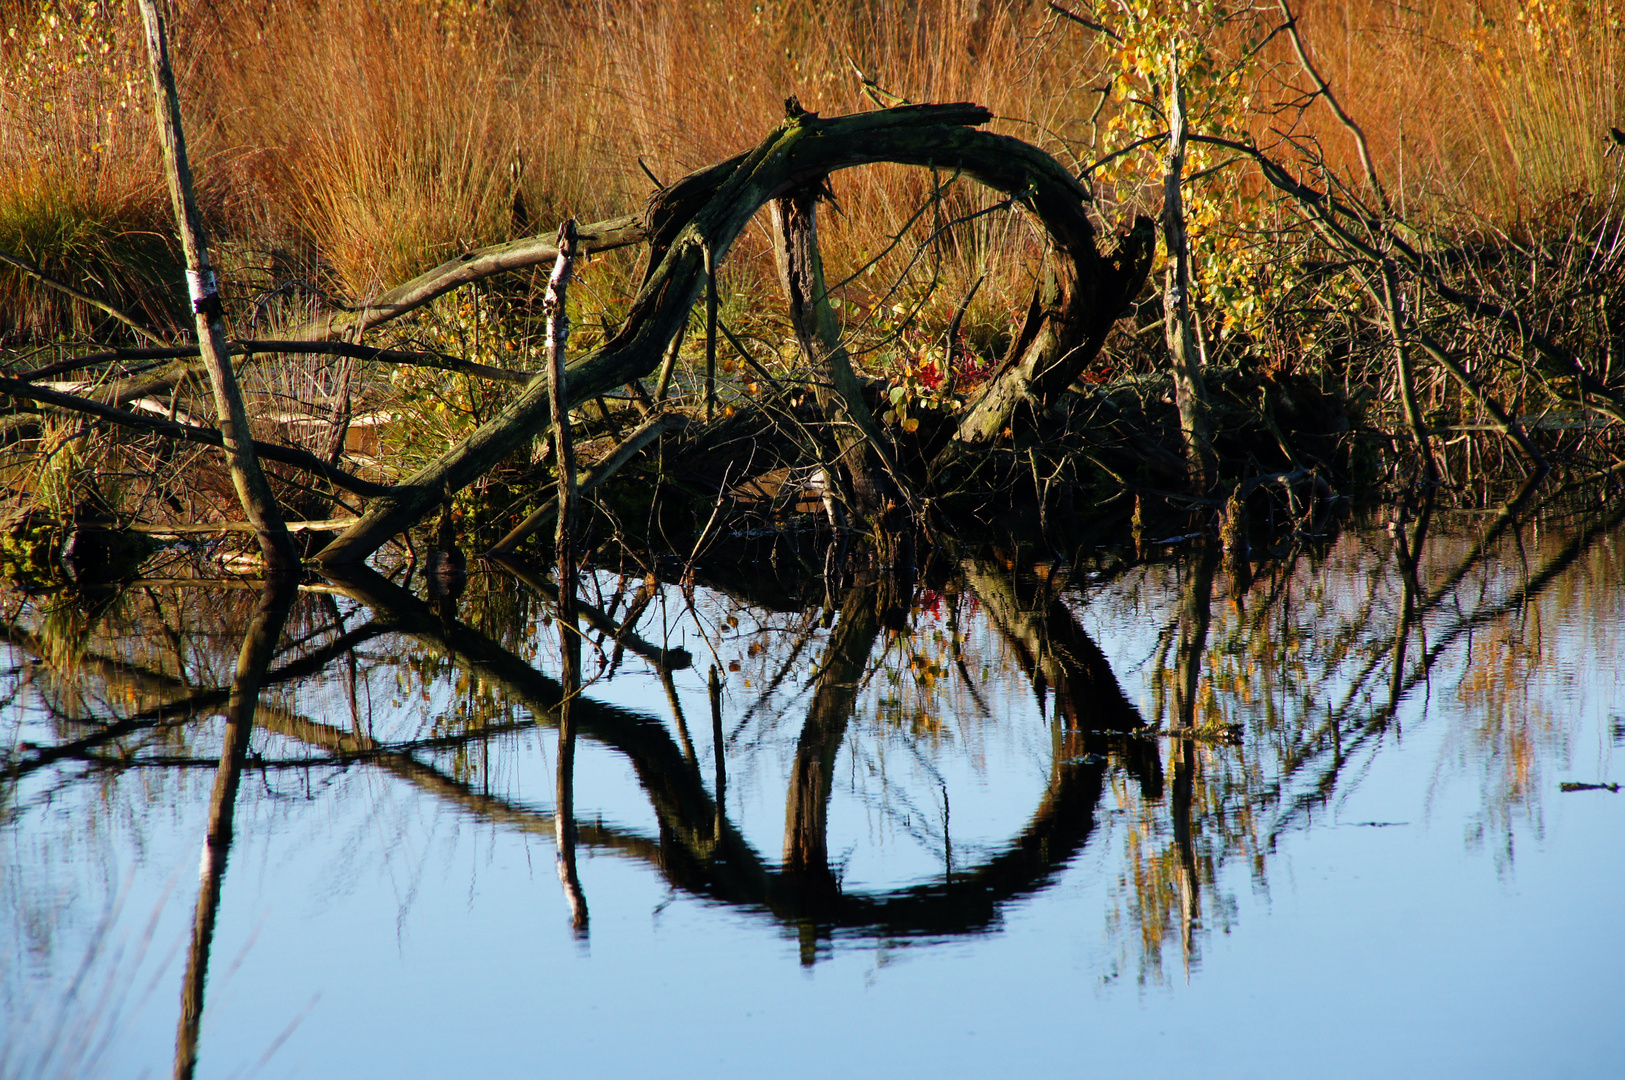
1018 815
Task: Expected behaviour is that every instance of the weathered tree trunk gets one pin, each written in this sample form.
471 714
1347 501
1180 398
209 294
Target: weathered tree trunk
253 490
1072 311
859 445
1388 298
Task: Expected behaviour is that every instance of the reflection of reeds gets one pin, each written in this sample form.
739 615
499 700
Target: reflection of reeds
1309 668
70 1037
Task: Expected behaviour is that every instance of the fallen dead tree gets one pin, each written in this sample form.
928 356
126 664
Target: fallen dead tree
690 226
1030 426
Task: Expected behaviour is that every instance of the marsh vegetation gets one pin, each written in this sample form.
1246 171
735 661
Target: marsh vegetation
1199 265
874 474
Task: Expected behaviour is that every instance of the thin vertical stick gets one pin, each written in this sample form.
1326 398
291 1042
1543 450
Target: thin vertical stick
1189 391
253 490
714 685
564 459
1403 367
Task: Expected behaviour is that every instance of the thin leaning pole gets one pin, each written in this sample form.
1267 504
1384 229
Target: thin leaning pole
558 336
253 490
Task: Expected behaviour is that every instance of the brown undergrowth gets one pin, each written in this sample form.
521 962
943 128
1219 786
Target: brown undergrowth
343 148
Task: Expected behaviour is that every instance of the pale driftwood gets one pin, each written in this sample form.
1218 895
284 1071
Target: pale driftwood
253 490
209 527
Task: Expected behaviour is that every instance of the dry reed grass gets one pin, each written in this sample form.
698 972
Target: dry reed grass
354 144
1496 107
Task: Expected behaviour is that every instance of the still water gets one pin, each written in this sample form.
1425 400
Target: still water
1017 815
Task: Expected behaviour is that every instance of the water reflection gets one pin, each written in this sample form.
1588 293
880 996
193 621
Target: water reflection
1263 701
259 645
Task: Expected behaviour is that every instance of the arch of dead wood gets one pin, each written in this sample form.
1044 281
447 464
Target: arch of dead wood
703 852
696 220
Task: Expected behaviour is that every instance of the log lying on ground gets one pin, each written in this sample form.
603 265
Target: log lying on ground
470 266
287 455
698 218
254 347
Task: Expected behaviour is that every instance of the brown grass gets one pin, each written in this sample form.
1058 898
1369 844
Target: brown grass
354 144
1496 106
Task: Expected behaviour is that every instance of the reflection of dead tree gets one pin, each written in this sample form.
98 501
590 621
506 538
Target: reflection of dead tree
697 849
1187 873
622 633
698 856
259 646
806 806
693 855
1054 651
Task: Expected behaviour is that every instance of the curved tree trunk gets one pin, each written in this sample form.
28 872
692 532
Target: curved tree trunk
697 220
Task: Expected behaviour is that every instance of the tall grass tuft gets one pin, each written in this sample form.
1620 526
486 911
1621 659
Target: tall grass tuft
81 190
1495 107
